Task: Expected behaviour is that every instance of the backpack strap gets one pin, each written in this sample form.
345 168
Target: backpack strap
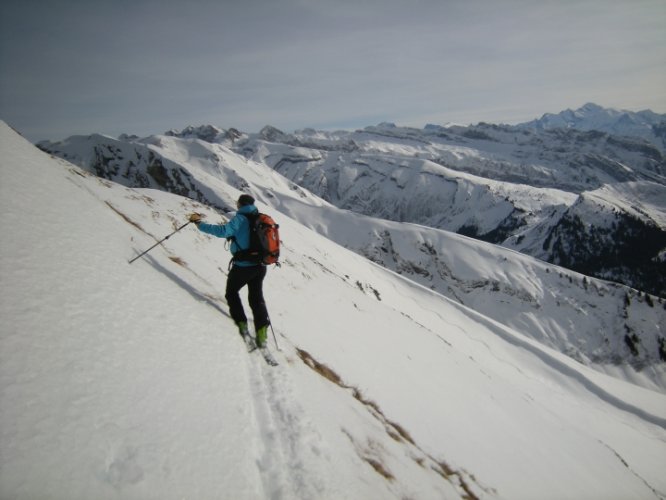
253 252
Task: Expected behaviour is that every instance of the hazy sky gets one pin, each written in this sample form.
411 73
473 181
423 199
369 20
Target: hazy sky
146 66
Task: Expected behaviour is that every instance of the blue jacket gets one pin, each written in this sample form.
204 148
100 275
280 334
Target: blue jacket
237 228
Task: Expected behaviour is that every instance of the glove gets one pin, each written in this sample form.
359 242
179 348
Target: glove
196 218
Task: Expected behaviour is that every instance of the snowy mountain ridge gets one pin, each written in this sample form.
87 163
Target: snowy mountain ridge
541 192
130 382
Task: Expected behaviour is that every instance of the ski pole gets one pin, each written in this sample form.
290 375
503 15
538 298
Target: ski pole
163 239
274 338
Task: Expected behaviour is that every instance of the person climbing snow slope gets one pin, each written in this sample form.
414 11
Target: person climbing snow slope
245 270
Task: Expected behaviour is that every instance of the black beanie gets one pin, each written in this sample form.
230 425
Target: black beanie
245 199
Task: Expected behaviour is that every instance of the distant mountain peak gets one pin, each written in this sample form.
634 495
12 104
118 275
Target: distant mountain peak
591 107
208 133
272 134
644 124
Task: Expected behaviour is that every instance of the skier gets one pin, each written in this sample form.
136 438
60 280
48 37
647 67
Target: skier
243 272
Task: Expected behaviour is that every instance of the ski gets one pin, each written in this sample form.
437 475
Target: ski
249 343
252 346
268 356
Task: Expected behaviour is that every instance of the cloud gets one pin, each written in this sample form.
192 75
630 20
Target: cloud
118 65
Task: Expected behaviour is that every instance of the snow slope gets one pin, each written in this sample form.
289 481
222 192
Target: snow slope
128 381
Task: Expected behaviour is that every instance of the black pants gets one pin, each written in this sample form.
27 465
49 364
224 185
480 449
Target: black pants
253 277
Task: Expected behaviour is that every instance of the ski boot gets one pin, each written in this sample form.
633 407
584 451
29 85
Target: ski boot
262 336
245 333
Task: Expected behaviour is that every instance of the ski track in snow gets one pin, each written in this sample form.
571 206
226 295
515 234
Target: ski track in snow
278 461
276 458
286 440
281 443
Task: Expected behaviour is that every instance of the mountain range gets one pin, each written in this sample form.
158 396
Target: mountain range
586 199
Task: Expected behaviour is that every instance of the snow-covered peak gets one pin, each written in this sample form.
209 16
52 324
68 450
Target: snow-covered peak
203 132
208 133
643 124
273 134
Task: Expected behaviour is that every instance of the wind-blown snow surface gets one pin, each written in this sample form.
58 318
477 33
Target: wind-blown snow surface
128 381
